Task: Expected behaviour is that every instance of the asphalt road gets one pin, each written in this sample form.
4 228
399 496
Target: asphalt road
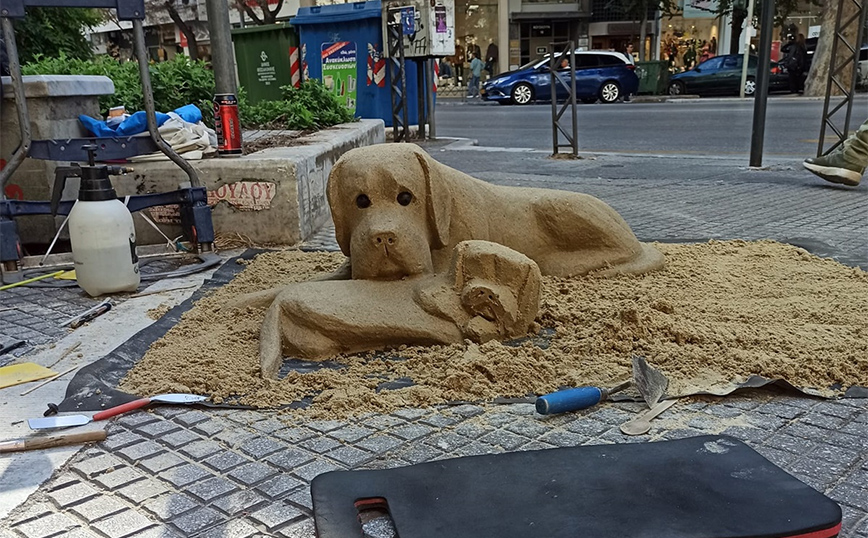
698 127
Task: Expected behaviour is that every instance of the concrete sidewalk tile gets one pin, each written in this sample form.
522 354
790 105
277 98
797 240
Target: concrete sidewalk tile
418 453
784 441
379 444
32 511
382 422
290 458
160 531
157 429
311 470
294 435
241 501
851 496
128 523
98 508
136 419
120 439
351 433
246 417
467 410
252 473
278 486
473 430
140 451
211 488
160 463
276 515
536 445
411 432
211 427
47 525
269 425
119 477
324 426
589 427
224 461
179 438
349 456
320 445
170 506
197 521
505 439
473 448
410 413
233 529
234 437
564 438
191 418
302 498
73 494
499 419
100 464
184 474
260 447
301 529
199 450
137 492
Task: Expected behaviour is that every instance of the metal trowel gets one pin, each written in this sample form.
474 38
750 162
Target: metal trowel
80 420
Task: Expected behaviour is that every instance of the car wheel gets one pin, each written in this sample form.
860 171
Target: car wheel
750 86
589 100
676 88
610 92
522 93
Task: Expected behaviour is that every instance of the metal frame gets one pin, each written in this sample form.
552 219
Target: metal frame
195 212
397 79
572 137
835 71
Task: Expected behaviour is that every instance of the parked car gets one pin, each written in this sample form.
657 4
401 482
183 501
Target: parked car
721 75
604 75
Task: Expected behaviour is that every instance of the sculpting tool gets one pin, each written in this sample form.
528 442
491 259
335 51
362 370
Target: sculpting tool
88 315
79 420
567 400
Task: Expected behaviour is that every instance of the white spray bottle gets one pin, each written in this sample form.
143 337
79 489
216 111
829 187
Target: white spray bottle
101 231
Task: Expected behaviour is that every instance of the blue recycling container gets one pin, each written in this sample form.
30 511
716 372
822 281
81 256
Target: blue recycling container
342 45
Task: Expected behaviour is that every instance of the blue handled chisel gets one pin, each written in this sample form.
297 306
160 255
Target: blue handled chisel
567 400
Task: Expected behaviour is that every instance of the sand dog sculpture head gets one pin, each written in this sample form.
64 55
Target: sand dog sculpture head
436 257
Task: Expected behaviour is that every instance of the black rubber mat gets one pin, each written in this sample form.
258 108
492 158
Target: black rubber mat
701 487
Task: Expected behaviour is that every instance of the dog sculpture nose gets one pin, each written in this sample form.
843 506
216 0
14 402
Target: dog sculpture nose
385 239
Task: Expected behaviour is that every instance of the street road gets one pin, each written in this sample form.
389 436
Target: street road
695 127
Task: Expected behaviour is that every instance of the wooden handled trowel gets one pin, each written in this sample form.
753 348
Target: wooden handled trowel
80 420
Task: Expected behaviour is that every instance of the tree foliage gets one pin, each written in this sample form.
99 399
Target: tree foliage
259 11
50 32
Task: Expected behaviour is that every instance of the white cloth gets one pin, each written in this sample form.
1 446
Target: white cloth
191 141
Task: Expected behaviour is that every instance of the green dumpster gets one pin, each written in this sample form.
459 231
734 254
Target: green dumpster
267 58
653 77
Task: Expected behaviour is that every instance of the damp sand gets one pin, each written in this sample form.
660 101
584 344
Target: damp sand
718 313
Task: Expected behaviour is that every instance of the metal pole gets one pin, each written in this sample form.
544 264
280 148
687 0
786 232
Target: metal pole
20 103
432 132
222 61
763 71
420 99
552 69
405 134
575 139
747 28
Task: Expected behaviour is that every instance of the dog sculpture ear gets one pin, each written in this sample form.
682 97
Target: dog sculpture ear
439 199
338 208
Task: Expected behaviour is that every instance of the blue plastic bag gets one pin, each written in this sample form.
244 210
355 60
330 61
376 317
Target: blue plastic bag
138 122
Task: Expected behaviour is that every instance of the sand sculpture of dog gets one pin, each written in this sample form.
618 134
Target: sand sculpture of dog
436 256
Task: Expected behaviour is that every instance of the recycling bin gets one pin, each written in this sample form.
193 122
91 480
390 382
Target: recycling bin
267 58
653 77
342 45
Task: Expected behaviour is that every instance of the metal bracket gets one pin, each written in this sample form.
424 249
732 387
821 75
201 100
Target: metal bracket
837 68
397 79
127 9
109 148
559 50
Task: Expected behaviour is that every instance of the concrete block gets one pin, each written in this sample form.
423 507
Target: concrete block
274 196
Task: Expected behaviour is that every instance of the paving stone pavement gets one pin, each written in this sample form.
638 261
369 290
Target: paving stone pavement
228 473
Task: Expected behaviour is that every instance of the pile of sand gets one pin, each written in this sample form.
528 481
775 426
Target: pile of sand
716 314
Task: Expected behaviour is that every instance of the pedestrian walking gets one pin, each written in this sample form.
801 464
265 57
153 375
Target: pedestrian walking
846 165
476 67
795 60
628 52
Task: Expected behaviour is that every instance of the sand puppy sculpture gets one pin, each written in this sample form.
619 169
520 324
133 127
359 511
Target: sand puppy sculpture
436 256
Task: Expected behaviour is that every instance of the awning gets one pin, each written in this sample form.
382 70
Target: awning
548 15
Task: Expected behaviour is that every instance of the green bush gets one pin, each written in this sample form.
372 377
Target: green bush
309 107
181 81
54 31
176 83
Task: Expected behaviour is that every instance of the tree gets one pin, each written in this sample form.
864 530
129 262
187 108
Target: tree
638 10
815 85
50 31
268 10
184 27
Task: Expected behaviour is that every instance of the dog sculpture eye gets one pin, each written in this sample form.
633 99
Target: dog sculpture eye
363 201
405 198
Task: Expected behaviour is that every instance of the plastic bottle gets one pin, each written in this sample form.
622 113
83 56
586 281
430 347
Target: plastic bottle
101 231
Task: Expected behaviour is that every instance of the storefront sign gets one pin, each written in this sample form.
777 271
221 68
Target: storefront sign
700 9
339 68
813 31
542 50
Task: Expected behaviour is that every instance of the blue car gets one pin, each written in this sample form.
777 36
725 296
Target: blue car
607 76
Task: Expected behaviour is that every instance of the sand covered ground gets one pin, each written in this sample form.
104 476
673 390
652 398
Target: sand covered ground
719 312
